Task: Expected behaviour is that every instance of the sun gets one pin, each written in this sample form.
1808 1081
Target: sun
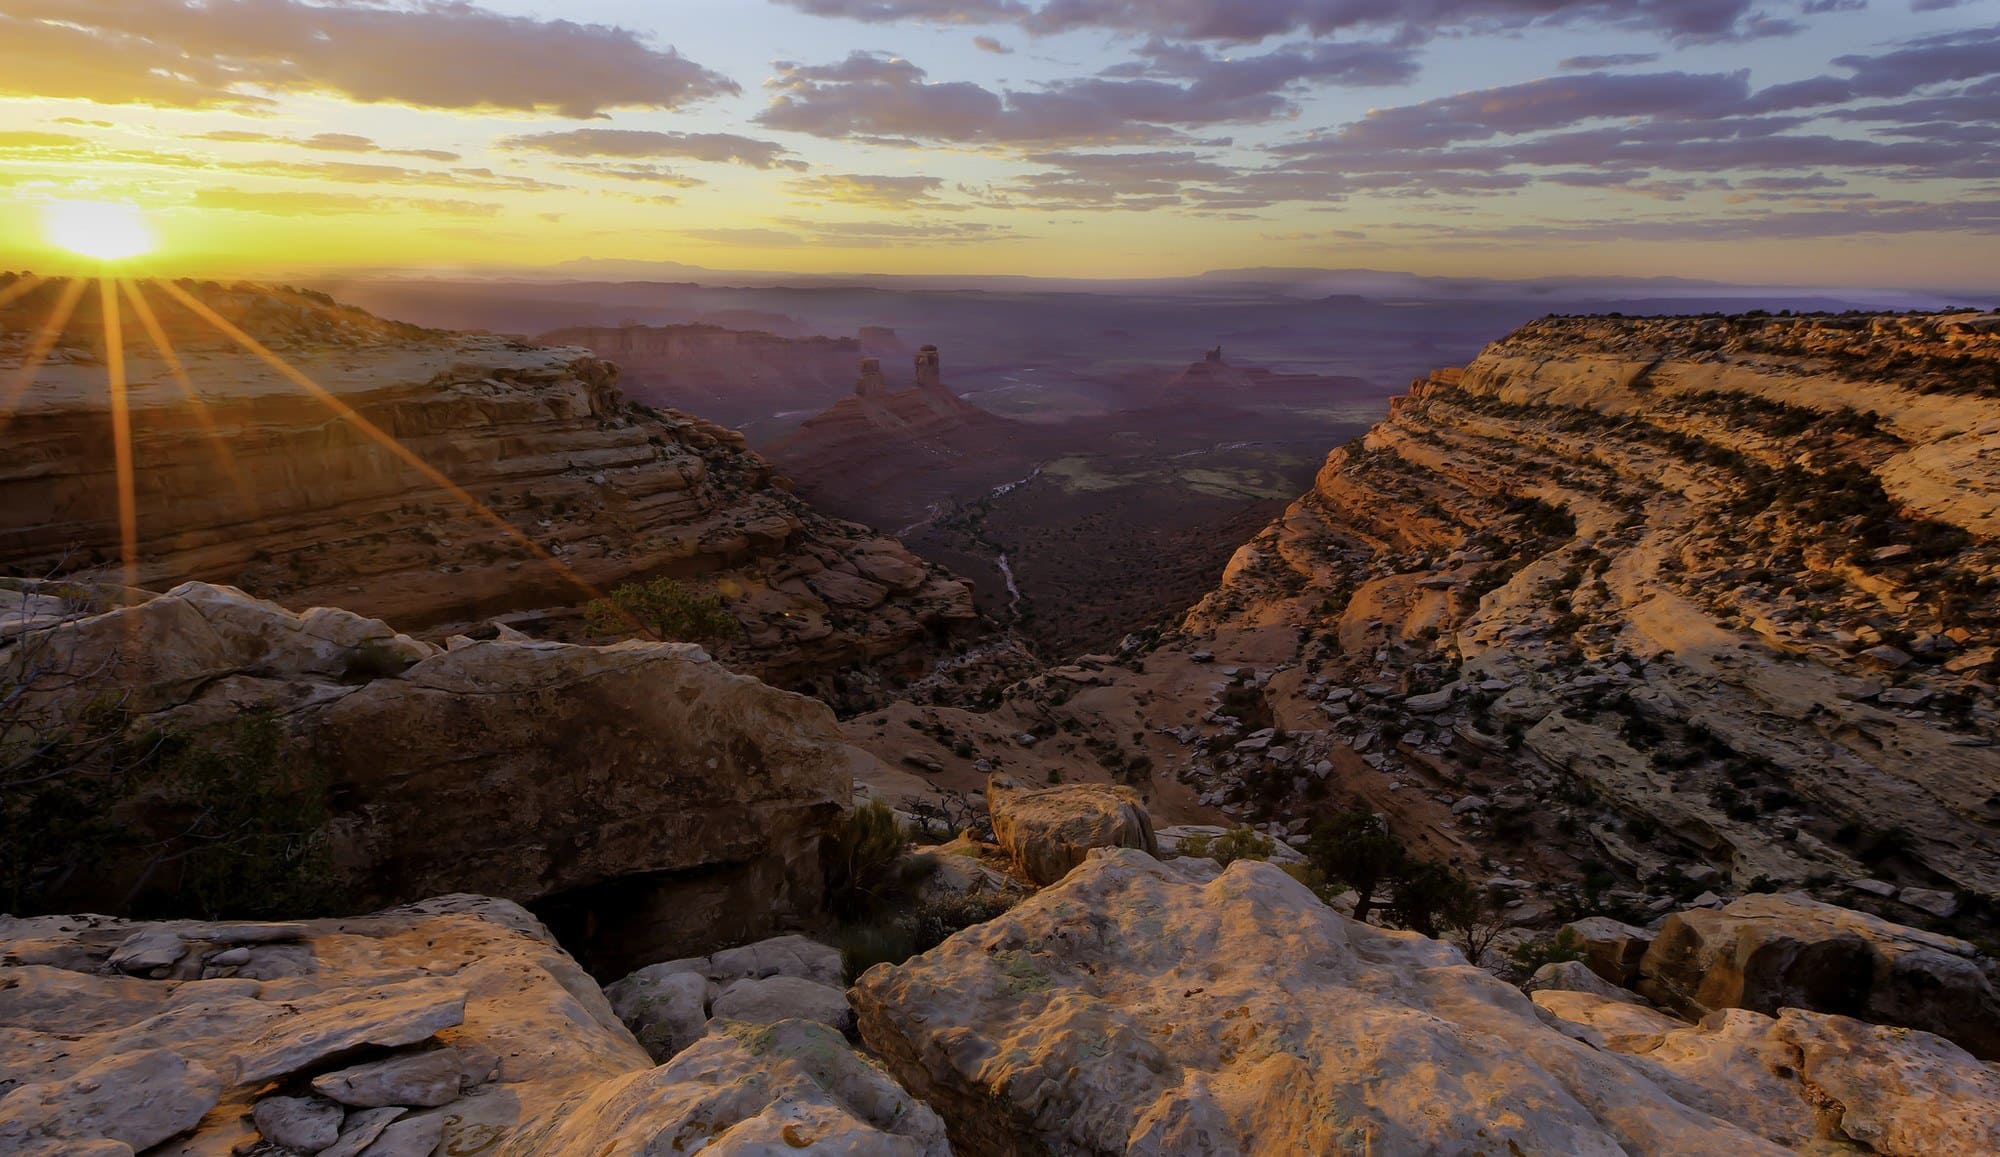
106 230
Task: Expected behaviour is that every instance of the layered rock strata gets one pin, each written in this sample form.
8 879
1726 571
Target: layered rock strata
561 486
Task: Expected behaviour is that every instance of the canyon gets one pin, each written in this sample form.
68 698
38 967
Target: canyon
1626 612
441 480
1675 637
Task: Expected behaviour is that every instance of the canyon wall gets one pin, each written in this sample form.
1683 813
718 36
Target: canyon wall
557 488
1711 598
743 378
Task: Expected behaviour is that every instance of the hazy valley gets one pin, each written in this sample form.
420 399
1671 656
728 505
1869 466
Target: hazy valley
1654 658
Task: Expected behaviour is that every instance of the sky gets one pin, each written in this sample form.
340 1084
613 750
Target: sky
1803 142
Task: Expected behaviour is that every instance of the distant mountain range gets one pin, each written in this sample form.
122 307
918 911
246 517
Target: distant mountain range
1286 282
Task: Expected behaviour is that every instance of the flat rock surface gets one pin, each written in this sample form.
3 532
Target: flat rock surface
154 1059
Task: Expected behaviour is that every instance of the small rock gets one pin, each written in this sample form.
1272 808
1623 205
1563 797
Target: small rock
780 998
149 949
230 957
361 1130
1942 905
307 1124
1429 704
1872 887
409 1137
1575 976
665 1006
423 1080
1887 656
794 956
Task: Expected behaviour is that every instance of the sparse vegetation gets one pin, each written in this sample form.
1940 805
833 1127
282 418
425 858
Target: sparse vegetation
667 609
1238 843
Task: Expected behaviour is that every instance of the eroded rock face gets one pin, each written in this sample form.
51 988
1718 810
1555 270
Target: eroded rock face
487 1038
1149 1008
1048 831
1768 952
262 486
1805 1080
1699 570
638 781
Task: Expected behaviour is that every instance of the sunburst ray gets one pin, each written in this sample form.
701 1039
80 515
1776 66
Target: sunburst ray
164 346
44 341
25 285
375 433
121 430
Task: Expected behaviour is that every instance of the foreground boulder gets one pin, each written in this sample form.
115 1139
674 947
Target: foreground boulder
748 1090
456 1025
1766 952
1804 1080
1049 831
670 1006
1160 1008
646 799
1610 948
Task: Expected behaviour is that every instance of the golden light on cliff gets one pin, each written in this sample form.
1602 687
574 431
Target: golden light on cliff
77 233
105 230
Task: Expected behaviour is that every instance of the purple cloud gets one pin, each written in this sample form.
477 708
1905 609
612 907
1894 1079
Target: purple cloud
447 55
1249 21
715 147
882 98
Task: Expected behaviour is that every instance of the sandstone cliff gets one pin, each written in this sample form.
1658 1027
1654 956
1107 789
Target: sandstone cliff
1729 590
249 480
876 444
1625 612
743 378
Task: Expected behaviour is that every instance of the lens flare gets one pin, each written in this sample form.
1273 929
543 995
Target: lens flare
106 230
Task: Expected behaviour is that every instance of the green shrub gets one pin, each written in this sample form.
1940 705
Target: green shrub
1356 849
666 608
1561 948
372 660
1431 897
228 821
255 845
894 940
865 861
1238 843
1311 876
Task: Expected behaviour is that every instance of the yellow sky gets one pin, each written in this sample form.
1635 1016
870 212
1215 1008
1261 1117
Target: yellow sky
279 137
